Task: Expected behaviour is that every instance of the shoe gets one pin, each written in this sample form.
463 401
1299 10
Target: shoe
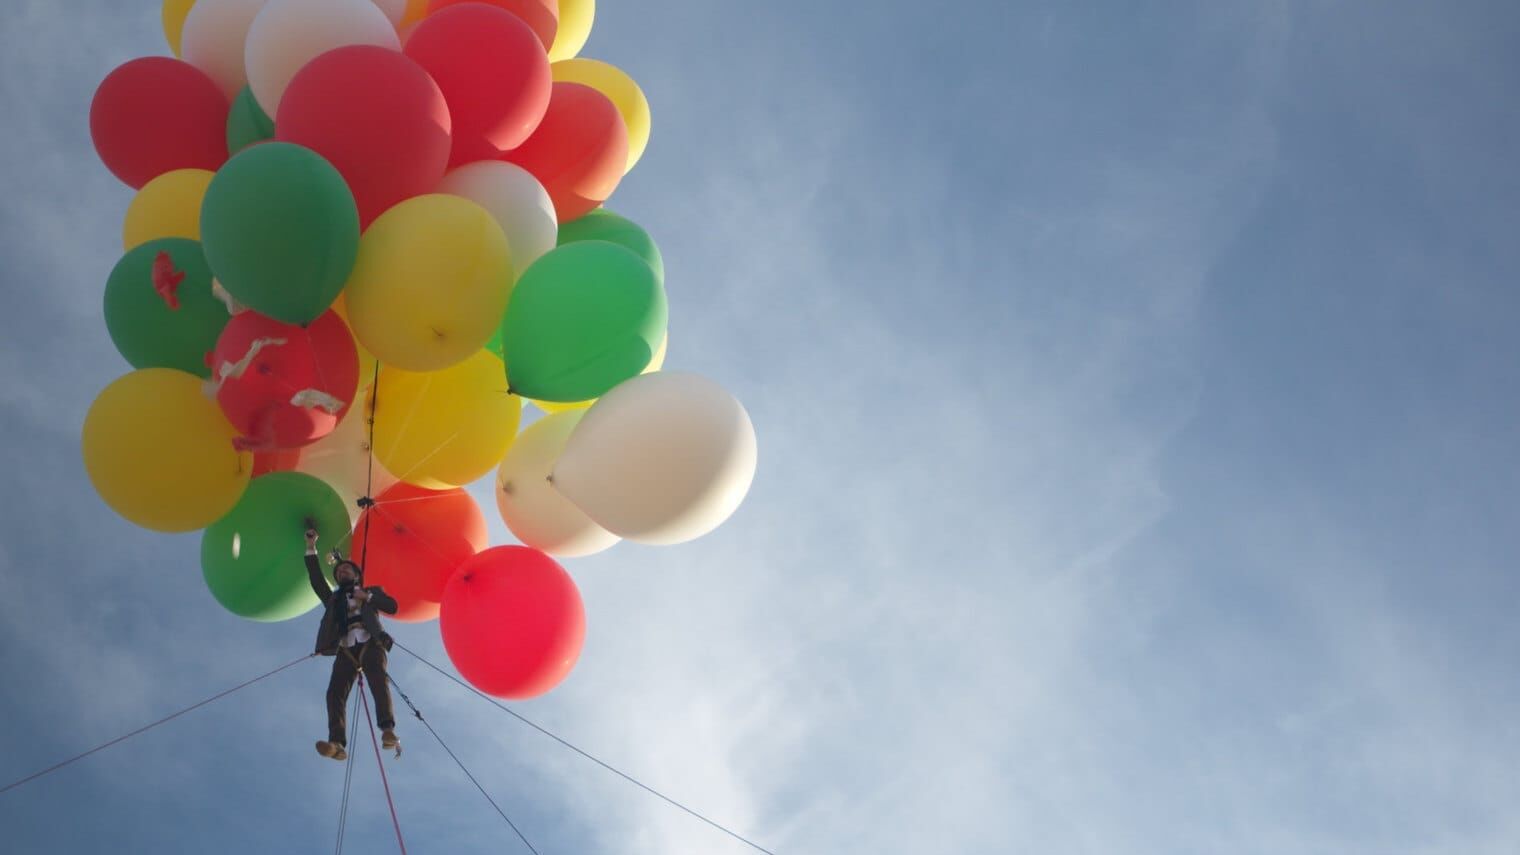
332 749
388 740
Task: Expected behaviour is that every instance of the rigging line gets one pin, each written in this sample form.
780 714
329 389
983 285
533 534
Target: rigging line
395 823
406 422
369 478
433 498
624 775
348 775
418 713
55 767
429 456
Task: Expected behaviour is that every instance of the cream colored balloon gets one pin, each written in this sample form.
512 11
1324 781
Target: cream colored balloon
287 34
535 512
342 457
394 10
515 199
214 37
663 458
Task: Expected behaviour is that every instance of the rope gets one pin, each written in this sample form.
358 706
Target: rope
624 775
418 713
369 478
395 823
55 767
348 776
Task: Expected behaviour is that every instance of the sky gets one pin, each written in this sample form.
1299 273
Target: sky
1134 386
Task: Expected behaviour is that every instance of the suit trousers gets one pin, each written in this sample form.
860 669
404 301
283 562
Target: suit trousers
370 654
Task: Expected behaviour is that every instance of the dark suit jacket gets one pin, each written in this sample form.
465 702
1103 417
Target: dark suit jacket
335 619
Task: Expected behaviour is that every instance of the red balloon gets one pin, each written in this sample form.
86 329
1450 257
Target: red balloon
542 16
578 152
417 538
155 115
377 117
283 386
512 622
493 73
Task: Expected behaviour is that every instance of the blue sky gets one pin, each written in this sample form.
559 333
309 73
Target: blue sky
1135 393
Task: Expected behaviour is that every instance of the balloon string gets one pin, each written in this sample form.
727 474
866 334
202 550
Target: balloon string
460 763
348 772
406 423
56 766
369 479
566 743
395 823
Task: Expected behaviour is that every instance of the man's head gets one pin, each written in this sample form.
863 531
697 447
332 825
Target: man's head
346 572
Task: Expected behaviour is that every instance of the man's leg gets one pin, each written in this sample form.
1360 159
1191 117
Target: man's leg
343 674
379 686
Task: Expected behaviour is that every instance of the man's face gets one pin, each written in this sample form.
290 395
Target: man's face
345 574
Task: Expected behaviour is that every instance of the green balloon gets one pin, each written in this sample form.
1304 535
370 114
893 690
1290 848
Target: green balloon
602 224
143 327
253 559
583 318
247 123
280 231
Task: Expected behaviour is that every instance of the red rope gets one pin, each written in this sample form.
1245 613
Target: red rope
381 763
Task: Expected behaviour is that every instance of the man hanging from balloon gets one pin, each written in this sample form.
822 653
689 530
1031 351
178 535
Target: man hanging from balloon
350 632
336 196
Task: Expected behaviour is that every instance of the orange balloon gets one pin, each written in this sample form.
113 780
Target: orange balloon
578 151
541 15
417 539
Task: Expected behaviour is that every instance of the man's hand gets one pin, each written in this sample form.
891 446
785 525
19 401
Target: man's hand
361 595
311 537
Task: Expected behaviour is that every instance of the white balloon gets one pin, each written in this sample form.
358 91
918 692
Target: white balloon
393 9
663 458
519 204
214 37
287 34
342 458
531 507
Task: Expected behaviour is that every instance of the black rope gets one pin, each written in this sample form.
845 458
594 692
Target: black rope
624 775
56 766
348 775
418 713
367 503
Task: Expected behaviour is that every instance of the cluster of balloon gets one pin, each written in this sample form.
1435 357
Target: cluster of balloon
364 232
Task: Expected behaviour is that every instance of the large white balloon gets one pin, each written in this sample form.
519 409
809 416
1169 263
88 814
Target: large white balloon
342 458
394 10
519 204
287 34
534 510
663 458
214 37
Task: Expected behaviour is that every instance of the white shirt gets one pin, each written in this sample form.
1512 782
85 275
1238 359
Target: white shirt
357 634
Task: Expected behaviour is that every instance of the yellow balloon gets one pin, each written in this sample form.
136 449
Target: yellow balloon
620 88
431 282
168 206
174 13
574 28
656 362
159 452
442 429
